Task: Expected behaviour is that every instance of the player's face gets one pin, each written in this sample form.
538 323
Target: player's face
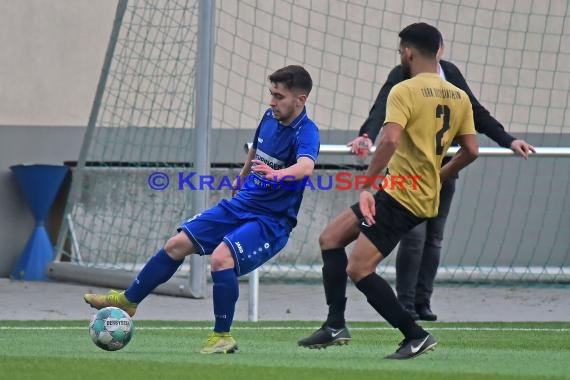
285 104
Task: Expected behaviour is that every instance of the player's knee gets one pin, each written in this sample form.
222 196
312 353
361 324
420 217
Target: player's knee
358 269
178 246
322 239
327 240
221 260
353 271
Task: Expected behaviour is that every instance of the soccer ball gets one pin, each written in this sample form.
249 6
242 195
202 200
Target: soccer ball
111 329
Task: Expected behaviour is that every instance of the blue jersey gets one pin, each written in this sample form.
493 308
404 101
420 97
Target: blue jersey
278 146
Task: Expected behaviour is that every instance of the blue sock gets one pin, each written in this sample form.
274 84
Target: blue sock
157 270
225 294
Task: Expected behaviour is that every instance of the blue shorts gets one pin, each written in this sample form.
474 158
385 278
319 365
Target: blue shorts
253 238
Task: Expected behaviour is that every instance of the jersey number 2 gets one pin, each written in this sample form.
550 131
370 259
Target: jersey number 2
441 111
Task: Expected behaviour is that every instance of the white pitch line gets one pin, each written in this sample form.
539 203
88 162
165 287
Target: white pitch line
199 328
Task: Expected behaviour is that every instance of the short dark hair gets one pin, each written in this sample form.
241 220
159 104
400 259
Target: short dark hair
293 77
424 37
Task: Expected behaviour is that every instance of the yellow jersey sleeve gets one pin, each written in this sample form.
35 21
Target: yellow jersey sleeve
468 125
398 106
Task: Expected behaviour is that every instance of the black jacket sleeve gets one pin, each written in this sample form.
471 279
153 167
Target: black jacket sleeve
377 114
484 122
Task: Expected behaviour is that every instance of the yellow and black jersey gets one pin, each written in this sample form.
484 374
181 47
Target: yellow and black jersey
432 112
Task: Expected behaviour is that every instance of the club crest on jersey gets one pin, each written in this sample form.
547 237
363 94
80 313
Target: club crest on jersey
259 140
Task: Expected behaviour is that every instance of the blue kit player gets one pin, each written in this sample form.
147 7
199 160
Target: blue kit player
246 231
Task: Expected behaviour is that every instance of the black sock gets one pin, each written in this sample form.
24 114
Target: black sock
334 281
381 297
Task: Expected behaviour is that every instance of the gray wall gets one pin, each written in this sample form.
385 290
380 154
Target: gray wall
51 56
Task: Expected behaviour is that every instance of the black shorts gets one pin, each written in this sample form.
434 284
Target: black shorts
392 221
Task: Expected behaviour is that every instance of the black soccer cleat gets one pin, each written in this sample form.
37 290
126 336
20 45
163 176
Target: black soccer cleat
410 348
326 336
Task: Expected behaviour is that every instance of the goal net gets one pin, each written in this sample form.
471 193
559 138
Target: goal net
510 217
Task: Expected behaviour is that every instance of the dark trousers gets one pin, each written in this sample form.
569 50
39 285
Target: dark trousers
419 253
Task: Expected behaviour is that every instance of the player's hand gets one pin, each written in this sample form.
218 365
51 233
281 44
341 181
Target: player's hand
361 145
522 148
262 168
367 206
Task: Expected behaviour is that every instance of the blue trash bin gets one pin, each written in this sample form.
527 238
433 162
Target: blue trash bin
40 184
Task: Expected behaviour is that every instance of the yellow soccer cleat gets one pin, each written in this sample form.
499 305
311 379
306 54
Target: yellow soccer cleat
113 298
219 343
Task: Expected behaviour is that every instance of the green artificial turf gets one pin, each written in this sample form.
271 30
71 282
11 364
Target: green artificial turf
268 350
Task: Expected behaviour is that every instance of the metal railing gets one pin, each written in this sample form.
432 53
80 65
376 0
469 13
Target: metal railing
331 149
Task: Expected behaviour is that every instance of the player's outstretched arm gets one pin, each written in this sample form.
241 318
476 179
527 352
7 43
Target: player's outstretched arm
467 153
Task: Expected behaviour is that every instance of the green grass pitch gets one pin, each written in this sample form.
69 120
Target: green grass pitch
268 350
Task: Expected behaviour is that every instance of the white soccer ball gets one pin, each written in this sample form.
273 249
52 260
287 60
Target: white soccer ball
111 329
